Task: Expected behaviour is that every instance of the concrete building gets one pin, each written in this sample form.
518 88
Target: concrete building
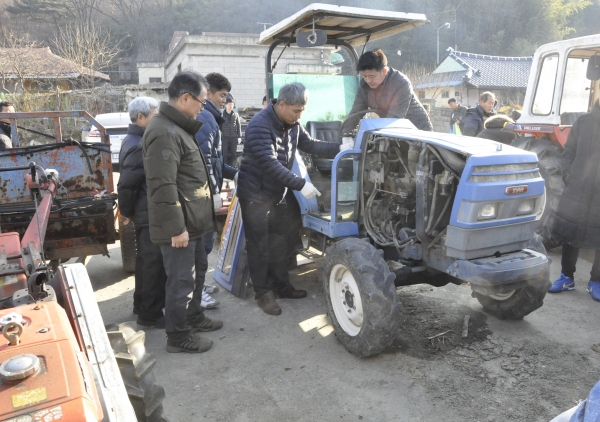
151 72
241 60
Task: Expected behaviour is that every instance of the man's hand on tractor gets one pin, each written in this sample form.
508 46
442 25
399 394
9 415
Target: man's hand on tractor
347 143
309 191
180 241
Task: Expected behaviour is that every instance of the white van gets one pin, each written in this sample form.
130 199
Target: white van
116 125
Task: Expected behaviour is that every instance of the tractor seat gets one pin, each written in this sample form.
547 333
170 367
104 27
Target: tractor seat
569 118
327 132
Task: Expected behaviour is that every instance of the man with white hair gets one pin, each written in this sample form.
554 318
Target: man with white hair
150 276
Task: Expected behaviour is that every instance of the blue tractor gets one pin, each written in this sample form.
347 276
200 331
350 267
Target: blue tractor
404 206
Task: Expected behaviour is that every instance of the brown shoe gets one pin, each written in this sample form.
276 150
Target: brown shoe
268 304
290 293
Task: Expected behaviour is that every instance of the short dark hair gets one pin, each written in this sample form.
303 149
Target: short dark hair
372 60
265 99
217 82
6 104
486 96
186 81
451 100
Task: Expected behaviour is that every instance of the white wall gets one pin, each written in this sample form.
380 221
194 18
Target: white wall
145 73
239 58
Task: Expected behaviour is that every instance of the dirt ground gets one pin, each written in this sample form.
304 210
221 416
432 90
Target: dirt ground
291 367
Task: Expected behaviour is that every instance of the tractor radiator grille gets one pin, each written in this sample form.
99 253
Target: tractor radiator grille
505 168
505 177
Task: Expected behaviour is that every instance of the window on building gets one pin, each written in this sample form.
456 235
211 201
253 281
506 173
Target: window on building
155 80
445 94
456 93
421 95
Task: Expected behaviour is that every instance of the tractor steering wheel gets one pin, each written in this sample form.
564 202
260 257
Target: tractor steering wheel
345 122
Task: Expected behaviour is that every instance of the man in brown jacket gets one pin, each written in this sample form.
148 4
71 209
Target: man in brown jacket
180 209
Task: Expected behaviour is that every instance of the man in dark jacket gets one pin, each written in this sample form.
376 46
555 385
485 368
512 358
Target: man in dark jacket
150 276
458 114
386 91
231 130
181 209
577 221
475 116
265 183
5 132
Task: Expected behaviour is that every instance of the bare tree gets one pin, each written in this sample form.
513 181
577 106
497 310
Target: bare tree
89 46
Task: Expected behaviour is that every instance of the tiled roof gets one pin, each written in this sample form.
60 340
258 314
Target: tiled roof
40 63
480 71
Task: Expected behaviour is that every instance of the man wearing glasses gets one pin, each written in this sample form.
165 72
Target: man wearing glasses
180 209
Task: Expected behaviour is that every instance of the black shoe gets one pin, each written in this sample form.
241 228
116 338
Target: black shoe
268 304
206 325
157 323
290 293
190 344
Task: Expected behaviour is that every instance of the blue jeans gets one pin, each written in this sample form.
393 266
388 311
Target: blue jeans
186 270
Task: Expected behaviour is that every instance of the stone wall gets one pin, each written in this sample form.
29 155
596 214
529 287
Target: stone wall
440 118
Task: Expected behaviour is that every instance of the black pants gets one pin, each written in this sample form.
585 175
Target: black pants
229 151
267 233
150 277
186 270
569 259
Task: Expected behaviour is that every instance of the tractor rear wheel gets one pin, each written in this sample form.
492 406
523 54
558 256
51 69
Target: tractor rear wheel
361 297
128 244
137 370
550 169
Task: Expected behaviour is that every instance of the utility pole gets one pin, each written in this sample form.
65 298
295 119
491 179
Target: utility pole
446 25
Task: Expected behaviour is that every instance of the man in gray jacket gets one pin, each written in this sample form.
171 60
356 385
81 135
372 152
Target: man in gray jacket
387 92
180 209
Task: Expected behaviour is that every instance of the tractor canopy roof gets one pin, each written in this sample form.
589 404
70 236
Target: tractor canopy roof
353 25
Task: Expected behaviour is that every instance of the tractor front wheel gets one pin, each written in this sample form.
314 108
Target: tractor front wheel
361 297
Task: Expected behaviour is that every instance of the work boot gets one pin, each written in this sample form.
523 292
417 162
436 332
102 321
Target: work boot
563 284
190 344
268 304
146 323
206 325
289 292
594 290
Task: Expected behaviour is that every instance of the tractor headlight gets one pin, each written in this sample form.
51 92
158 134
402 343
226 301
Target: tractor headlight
487 212
526 207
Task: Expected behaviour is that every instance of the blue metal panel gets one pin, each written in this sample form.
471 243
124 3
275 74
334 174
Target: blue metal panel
495 191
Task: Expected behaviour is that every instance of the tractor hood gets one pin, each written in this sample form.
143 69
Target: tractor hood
353 25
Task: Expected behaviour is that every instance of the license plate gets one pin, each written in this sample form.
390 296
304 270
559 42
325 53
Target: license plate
240 148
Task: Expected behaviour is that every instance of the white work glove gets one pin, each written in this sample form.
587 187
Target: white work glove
347 143
239 141
309 191
217 202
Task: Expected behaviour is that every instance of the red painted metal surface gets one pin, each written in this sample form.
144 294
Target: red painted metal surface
37 228
12 266
556 134
64 385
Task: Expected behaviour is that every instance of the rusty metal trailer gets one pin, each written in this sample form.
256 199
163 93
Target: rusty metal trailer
82 221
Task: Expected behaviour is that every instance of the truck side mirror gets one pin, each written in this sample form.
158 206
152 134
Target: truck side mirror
314 38
593 69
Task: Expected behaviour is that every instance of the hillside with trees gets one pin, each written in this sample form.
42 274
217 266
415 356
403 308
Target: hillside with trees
111 35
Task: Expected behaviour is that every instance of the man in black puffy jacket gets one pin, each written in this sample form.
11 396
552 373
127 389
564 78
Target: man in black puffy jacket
387 91
477 115
150 276
231 131
265 183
